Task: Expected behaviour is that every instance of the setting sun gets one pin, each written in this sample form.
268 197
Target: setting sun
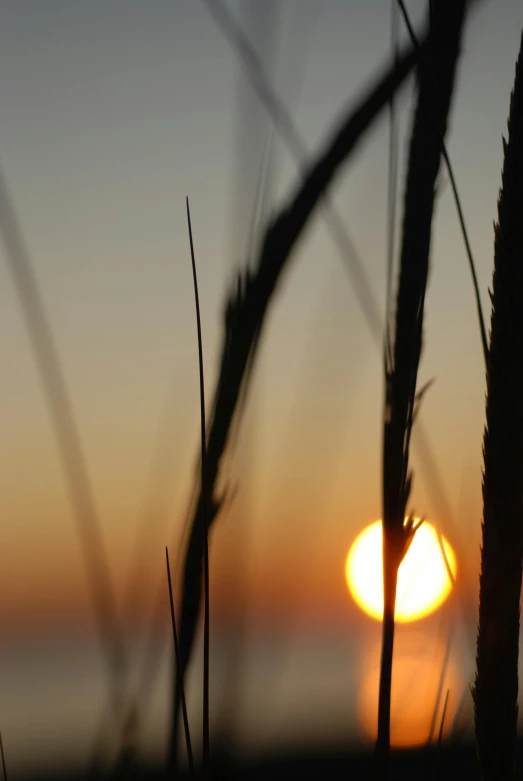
423 580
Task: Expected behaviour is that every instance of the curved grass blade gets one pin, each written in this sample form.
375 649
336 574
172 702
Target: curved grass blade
245 316
352 262
204 518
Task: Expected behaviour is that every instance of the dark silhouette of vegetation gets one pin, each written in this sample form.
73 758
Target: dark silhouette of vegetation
204 530
358 275
244 319
392 184
179 671
496 686
436 73
459 207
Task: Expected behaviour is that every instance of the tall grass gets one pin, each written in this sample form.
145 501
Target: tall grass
188 742
245 316
358 275
496 686
204 528
436 72
459 206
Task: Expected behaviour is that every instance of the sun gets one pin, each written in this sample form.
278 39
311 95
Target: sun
423 579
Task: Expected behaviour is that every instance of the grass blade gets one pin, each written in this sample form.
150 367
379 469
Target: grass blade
495 690
435 85
459 208
392 187
245 317
353 264
179 672
203 516
442 722
437 762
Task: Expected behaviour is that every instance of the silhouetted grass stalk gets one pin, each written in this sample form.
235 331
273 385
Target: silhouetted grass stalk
459 208
442 722
245 316
495 690
436 72
203 518
370 309
439 692
179 672
392 186
436 771
359 277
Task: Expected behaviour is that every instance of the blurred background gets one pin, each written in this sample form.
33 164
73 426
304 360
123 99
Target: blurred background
111 114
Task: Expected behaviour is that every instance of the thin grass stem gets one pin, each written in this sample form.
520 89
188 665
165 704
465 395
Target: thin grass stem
442 722
204 515
179 672
246 312
457 201
392 188
436 73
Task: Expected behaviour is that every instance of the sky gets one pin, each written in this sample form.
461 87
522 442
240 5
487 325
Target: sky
111 114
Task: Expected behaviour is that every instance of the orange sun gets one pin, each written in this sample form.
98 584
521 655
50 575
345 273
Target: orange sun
423 579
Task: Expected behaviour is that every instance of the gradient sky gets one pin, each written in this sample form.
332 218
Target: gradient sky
111 114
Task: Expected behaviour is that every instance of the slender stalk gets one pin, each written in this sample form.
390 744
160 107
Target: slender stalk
390 582
192 564
457 721
495 690
245 316
439 692
459 208
436 72
204 518
289 134
179 672
436 771
392 187
342 240
359 278
442 722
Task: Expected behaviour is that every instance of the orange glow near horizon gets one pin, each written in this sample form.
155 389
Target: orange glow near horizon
422 673
423 580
